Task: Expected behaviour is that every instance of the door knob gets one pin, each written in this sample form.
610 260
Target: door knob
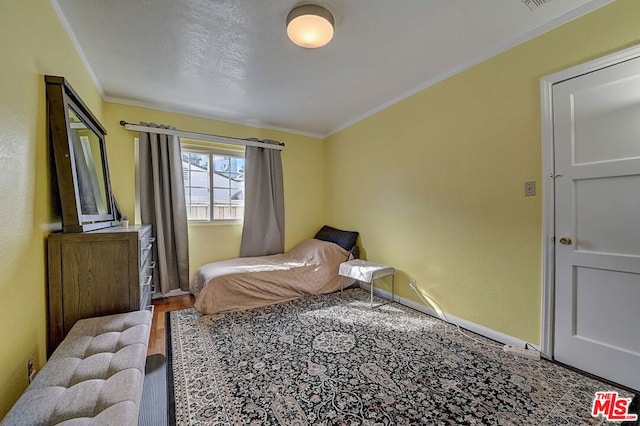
565 241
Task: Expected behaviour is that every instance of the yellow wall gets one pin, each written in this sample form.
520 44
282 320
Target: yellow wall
434 183
32 43
302 162
437 180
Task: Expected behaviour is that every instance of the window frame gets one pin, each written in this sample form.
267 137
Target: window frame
211 152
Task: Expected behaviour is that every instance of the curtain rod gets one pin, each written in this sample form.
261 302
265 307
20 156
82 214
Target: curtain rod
200 136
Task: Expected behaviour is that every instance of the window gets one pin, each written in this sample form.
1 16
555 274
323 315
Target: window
213 184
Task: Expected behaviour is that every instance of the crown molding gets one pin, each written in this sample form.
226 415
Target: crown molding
500 48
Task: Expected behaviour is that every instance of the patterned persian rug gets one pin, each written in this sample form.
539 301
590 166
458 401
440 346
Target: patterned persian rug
332 360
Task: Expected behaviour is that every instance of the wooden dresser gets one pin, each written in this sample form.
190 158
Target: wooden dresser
96 273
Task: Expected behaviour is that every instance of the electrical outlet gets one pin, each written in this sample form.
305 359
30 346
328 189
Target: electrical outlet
530 188
31 373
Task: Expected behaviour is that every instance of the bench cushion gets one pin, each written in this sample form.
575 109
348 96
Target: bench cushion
94 377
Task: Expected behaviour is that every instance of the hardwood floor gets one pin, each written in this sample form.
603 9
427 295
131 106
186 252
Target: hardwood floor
157 338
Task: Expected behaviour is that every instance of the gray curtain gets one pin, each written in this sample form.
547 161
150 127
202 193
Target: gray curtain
263 229
162 204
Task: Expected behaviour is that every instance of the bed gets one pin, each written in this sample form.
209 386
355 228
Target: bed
309 268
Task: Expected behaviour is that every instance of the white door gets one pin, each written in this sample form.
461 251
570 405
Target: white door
596 125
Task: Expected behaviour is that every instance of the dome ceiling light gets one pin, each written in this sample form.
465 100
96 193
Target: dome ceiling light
310 26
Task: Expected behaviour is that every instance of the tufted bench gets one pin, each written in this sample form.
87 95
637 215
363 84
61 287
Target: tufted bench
94 377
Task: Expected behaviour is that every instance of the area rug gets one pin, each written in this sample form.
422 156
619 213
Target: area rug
333 360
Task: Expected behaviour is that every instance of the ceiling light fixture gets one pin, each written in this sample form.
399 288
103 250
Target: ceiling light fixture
310 26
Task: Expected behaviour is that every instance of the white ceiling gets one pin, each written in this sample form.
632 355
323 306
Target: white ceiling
232 60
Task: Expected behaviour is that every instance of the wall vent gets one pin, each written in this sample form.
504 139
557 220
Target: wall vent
534 4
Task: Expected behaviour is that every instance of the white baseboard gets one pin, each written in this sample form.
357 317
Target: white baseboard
467 325
176 292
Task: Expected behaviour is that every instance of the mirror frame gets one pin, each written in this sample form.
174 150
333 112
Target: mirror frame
60 98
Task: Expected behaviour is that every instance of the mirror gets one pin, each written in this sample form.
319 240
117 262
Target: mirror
87 150
80 159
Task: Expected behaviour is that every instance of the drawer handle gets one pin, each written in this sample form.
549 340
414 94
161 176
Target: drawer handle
149 278
153 265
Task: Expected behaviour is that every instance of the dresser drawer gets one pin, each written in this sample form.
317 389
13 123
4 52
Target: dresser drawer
145 297
146 247
146 272
147 266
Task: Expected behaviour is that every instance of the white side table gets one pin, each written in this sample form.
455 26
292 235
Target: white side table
367 272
